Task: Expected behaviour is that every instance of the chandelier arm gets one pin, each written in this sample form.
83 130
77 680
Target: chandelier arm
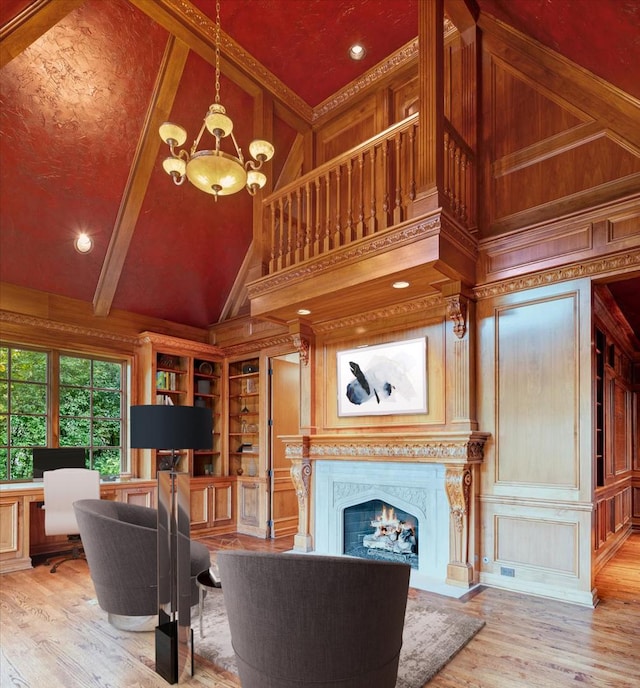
238 149
196 143
253 165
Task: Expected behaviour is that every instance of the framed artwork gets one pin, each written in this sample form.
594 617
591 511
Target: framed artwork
384 379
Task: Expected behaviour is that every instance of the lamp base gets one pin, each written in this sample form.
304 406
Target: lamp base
167 651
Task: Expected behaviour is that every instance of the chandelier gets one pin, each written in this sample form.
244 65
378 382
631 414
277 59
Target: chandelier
214 171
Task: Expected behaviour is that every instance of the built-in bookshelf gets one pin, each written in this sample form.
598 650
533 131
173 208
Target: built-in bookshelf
182 373
244 417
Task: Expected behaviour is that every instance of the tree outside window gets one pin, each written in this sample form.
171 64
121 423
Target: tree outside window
85 405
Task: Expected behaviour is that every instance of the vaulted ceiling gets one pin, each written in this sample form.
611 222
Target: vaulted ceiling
85 83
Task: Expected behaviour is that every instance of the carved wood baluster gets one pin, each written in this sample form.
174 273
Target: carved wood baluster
412 163
298 229
360 225
337 237
281 223
272 261
349 228
384 147
397 210
316 242
463 189
308 221
371 228
289 233
457 202
326 242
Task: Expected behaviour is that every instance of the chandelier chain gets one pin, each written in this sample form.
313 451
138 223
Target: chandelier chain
217 99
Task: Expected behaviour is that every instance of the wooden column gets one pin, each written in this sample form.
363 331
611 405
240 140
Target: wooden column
461 344
430 170
304 339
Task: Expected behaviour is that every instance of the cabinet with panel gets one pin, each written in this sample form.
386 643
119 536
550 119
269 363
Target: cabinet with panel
213 505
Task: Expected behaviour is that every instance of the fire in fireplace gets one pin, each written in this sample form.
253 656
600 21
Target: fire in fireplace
375 530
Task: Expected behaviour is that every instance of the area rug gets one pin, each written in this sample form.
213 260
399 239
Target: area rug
430 639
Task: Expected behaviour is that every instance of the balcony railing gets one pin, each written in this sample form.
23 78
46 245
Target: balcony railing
364 191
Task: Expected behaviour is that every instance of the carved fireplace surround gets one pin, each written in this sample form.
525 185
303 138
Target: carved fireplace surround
454 454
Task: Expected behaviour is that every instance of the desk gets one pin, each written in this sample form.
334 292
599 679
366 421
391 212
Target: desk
22 521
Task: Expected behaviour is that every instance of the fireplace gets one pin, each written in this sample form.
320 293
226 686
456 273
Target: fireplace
415 491
426 476
375 530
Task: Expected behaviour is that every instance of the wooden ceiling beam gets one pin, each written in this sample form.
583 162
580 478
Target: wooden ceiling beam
145 158
19 33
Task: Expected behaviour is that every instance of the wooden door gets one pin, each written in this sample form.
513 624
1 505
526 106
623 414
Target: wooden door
285 417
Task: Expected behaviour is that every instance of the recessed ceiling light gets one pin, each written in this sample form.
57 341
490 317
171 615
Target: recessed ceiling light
401 284
357 51
304 311
83 243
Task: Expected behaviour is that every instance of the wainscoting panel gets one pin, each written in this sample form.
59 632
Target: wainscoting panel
539 543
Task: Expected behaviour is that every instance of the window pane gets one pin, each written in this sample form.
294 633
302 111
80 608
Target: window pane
75 371
106 433
27 431
106 404
4 469
4 397
4 362
28 398
4 431
75 432
28 365
75 402
21 464
106 374
107 461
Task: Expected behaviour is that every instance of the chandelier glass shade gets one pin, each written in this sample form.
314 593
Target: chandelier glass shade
214 171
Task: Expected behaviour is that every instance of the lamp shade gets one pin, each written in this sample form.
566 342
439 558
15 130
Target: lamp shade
171 427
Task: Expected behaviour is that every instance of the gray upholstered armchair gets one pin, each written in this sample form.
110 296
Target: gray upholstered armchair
120 543
299 620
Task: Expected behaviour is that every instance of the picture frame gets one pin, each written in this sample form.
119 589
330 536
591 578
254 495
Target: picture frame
383 379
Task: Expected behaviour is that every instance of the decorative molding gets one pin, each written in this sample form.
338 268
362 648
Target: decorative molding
76 330
593 268
403 56
417 496
444 448
375 244
205 26
302 346
458 487
169 342
256 345
399 309
457 312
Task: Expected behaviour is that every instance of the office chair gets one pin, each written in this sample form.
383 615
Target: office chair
63 487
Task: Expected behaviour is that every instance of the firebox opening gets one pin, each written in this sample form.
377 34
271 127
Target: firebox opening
376 530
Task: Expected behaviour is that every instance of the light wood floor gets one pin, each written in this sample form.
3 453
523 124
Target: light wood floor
53 634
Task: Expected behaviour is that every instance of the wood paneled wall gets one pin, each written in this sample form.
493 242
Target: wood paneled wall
534 351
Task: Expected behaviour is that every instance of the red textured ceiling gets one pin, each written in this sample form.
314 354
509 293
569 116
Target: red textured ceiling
73 105
305 43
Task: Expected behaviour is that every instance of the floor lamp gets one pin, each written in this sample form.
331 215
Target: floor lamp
173 428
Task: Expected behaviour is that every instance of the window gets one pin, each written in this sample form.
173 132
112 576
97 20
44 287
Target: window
23 410
82 405
91 411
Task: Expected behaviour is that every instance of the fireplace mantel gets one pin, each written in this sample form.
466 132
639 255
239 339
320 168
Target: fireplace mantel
448 448
459 451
